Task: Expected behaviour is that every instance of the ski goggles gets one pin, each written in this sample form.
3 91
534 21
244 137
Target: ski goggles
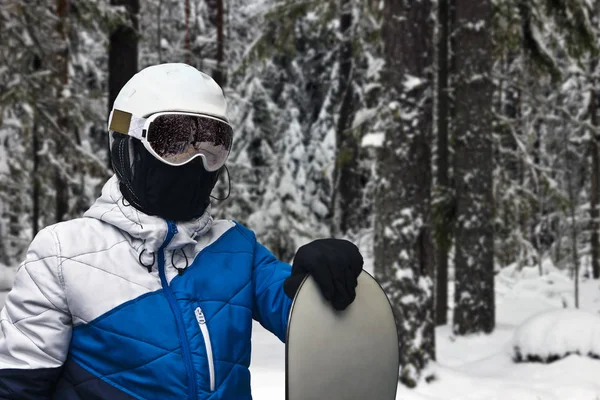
177 138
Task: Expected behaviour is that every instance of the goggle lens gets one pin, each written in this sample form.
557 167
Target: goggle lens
178 138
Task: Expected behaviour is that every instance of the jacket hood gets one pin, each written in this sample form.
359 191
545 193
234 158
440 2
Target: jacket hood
112 208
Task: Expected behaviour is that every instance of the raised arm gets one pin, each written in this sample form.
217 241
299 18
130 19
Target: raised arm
271 304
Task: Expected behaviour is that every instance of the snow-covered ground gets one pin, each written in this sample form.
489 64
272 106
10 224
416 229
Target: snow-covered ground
481 367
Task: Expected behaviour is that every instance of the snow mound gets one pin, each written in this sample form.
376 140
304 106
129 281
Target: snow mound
522 292
556 334
530 271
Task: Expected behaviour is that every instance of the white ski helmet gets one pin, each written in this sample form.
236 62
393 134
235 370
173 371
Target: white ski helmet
171 87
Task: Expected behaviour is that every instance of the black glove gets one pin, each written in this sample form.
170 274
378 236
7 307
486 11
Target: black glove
335 266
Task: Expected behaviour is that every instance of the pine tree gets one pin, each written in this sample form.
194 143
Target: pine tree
403 246
51 106
594 147
347 174
443 194
62 62
474 262
284 110
540 81
595 178
123 50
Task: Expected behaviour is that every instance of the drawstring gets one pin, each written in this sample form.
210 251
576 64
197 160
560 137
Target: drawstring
179 270
148 267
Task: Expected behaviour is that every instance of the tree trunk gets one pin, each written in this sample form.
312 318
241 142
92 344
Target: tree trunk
452 75
188 47
474 238
15 211
347 193
35 193
216 20
404 261
4 255
123 52
537 210
220 74
35 175
510 107
572 192
595 184
159 31
442 164
61 185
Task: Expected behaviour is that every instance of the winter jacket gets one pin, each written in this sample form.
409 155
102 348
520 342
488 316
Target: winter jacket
122 305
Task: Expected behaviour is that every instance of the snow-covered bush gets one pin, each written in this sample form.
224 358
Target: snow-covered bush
556 334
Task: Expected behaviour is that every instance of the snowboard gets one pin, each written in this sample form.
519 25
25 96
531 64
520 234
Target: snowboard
341 355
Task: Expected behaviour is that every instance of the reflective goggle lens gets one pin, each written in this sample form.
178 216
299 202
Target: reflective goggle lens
178 138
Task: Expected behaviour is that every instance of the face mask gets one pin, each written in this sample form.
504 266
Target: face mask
179 193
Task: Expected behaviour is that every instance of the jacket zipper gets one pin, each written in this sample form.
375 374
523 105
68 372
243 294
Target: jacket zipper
185 346
209 354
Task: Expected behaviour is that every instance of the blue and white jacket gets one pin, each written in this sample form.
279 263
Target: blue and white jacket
122 305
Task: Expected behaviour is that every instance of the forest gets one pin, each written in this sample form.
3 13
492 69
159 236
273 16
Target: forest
449 139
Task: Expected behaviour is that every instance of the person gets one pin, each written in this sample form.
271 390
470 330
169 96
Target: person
147 296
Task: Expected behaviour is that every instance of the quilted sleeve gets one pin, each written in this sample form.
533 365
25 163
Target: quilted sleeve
271 304
35 326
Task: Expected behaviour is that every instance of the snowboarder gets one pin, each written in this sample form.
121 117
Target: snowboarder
146 296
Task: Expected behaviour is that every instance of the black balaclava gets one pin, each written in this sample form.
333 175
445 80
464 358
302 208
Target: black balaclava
174 193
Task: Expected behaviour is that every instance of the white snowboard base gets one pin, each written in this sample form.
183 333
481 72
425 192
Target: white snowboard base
342 355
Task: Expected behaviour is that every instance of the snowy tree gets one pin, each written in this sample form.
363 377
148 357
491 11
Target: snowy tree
188 31
309 103
295 201
123 50
347 174
595 172
403 245
540 77
474 260
52 83
443 197
295 94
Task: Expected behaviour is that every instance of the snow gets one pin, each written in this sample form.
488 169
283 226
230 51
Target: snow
480 367
268 365
412 82
373 140
559 381
558 333
364 115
